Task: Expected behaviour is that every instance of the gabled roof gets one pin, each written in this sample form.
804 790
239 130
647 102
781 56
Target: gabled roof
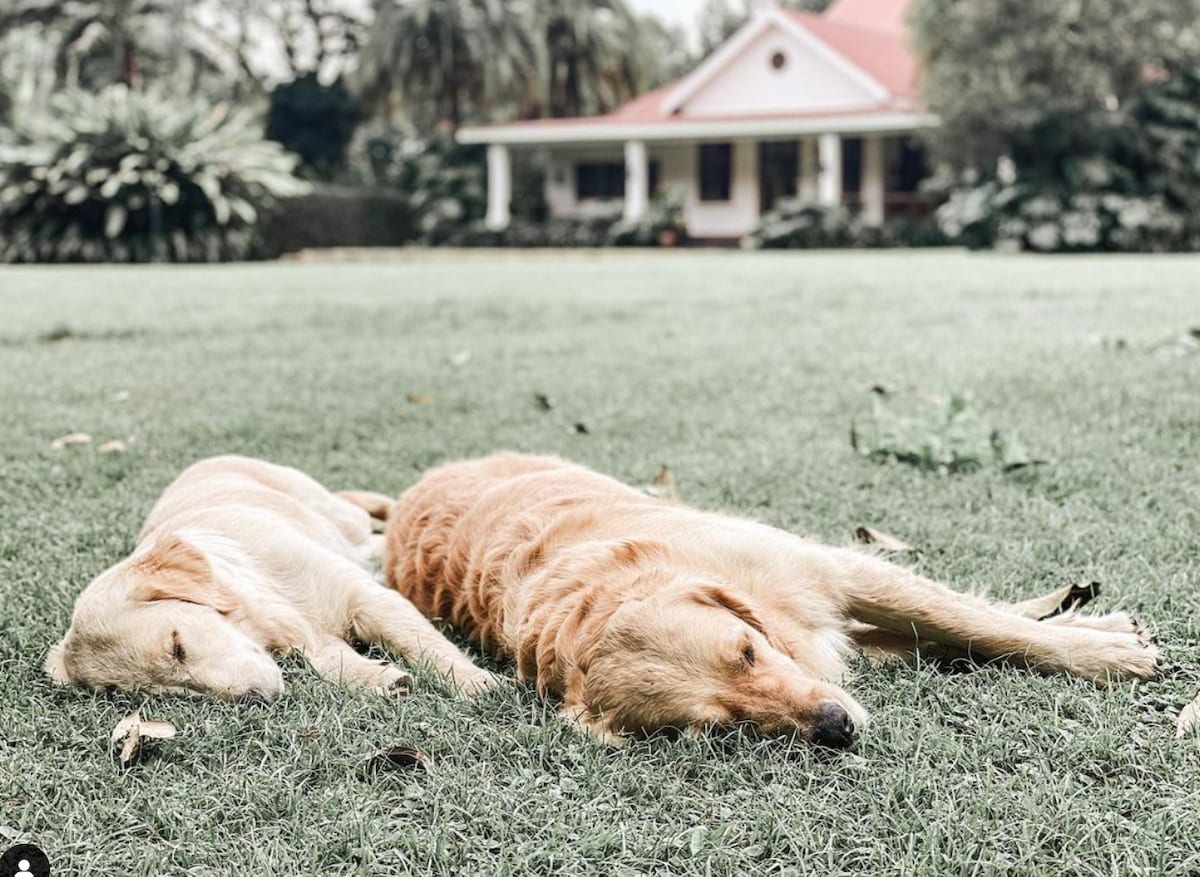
864 40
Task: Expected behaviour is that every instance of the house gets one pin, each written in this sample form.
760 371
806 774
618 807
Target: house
820 106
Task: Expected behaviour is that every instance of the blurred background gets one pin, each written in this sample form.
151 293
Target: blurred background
209 130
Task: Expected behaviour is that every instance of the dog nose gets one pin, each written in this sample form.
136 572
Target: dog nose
832 726
256 697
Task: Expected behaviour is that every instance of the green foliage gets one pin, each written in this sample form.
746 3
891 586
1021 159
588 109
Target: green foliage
796 223
443 181
1066 126
448 61
314 121
664 222
720 19
127 177
944 436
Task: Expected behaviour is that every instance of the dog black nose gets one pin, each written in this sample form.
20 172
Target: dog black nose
256 697
832 726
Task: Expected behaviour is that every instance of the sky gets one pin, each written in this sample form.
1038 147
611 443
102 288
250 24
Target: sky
675 11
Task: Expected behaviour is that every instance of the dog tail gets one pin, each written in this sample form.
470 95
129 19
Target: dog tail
374 504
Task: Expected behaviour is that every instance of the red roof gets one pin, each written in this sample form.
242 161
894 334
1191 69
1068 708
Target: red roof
881 53
885 15
870 34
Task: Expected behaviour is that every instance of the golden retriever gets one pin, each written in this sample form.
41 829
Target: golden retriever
239 560
640 614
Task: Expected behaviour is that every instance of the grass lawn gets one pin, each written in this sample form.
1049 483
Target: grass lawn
740 371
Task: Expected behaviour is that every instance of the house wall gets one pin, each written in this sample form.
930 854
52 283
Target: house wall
560 183
749 85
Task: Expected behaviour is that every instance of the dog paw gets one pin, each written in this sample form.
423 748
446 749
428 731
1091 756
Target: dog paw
1103 656
1111 622
391 681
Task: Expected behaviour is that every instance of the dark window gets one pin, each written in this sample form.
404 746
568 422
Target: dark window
599 179
906 166
605 180
716 171
852 152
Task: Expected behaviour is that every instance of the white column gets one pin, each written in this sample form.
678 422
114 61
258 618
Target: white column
808 169
499 185
871 187
637 181
829 172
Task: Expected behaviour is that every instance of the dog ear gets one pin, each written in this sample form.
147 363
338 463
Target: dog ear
55 664
175 570
723 598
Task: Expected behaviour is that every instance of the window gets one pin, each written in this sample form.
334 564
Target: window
605 180
600 180
716 171
906 165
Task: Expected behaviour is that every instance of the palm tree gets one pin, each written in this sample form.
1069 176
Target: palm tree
589 56
448 61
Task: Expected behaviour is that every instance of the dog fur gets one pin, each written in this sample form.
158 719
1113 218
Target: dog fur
640 614
241 560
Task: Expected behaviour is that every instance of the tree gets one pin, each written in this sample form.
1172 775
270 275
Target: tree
1070 125
314 121
448 61
589 60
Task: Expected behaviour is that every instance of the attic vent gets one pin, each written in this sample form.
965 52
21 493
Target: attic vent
779 60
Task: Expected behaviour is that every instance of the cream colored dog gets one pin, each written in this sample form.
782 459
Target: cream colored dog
641 614
241 560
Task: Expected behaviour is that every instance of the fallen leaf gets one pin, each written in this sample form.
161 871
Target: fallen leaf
121 396
1057 602
1189 719
579 428
460 359
72 438
543 401
421 399
310 733
396 759
663 485
883 541
116 446
130 732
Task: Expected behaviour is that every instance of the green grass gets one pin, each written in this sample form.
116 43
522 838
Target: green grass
740 371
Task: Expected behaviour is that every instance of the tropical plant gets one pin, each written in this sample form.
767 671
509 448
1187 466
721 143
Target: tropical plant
128 177
589 60
444 62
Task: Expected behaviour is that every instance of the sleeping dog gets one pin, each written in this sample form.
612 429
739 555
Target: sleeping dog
639 614
241 560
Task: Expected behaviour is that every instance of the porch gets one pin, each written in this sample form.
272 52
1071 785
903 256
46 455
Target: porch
728 184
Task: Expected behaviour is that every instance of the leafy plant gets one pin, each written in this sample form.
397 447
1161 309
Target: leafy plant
314 121
945 437
664 220
796 223
128 177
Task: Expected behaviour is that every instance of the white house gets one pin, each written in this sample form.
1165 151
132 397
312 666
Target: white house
820 106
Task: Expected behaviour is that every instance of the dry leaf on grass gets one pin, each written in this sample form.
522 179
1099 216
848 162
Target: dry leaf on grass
310 733
116 446
131 730
663 485
460 359
579 428
1057 602
420 399
881 540
544 402
121 396
72 438
1189 719
396 759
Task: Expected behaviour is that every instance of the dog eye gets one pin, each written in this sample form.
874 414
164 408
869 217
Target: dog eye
748 655
177 650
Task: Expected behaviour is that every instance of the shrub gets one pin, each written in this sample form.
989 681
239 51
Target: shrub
443 181
663 224
127 177
796 223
